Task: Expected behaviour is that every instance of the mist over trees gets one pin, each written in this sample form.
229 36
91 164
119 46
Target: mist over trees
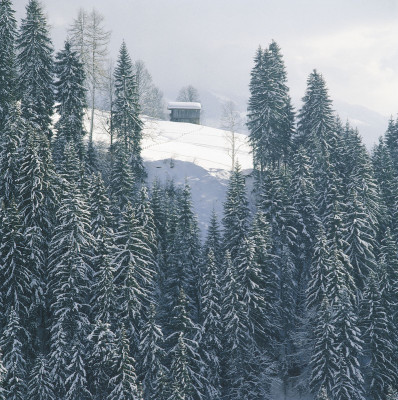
108 292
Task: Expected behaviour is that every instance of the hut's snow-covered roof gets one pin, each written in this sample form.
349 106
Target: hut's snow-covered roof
184 105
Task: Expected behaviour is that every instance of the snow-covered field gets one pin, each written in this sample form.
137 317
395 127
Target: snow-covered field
197 154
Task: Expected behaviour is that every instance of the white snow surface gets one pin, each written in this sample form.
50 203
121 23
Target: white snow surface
184 105
196 154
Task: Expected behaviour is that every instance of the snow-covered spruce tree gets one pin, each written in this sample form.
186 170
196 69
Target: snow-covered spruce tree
122 180
69 281
329 201
391 141
132 259
279 211
124 380
360 239
241 361
324 357
251 288
388 186
35 66
388 261
302 193
316 120
58 358
163 214
10 141
182 259
76 381
267 273
37 201
282 218
359 174
8 71
186 365
286 127
40 381
100 208
319 273
70 97
103 294
288 321
152 356
349 383
236 213
270 114
101 358
126 120
13 337
14 269
3 372
158 205
180 386
380 371
187 248
144 214
214 241
211 325
388 267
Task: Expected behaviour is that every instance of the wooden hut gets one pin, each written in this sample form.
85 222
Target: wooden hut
185 112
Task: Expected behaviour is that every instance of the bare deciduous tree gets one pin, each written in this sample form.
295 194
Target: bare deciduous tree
188 93
149 96
90 39
231 121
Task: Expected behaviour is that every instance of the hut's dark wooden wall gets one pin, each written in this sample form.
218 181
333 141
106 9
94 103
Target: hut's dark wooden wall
181 115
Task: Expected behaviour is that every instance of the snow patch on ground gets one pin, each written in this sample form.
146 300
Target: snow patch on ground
197 154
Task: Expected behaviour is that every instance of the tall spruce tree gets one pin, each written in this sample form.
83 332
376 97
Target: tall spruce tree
8 71
101 358
126 120
325 356
316 120
134 274
182 258
214 240
186 364
69 280
10 141
40 382
35 66
152 356
122 180
12 340
14 269
236 213
349 381
70 96
270 114
124 379
103 295
380 372
211 324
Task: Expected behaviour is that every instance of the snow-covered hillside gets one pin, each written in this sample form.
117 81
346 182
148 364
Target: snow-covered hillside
197 154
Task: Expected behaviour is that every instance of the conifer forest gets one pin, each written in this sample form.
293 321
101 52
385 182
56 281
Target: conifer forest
109 292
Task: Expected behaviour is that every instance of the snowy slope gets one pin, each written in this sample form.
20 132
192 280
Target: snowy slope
186 152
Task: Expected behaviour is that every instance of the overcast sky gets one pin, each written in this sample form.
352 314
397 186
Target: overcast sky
211 43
